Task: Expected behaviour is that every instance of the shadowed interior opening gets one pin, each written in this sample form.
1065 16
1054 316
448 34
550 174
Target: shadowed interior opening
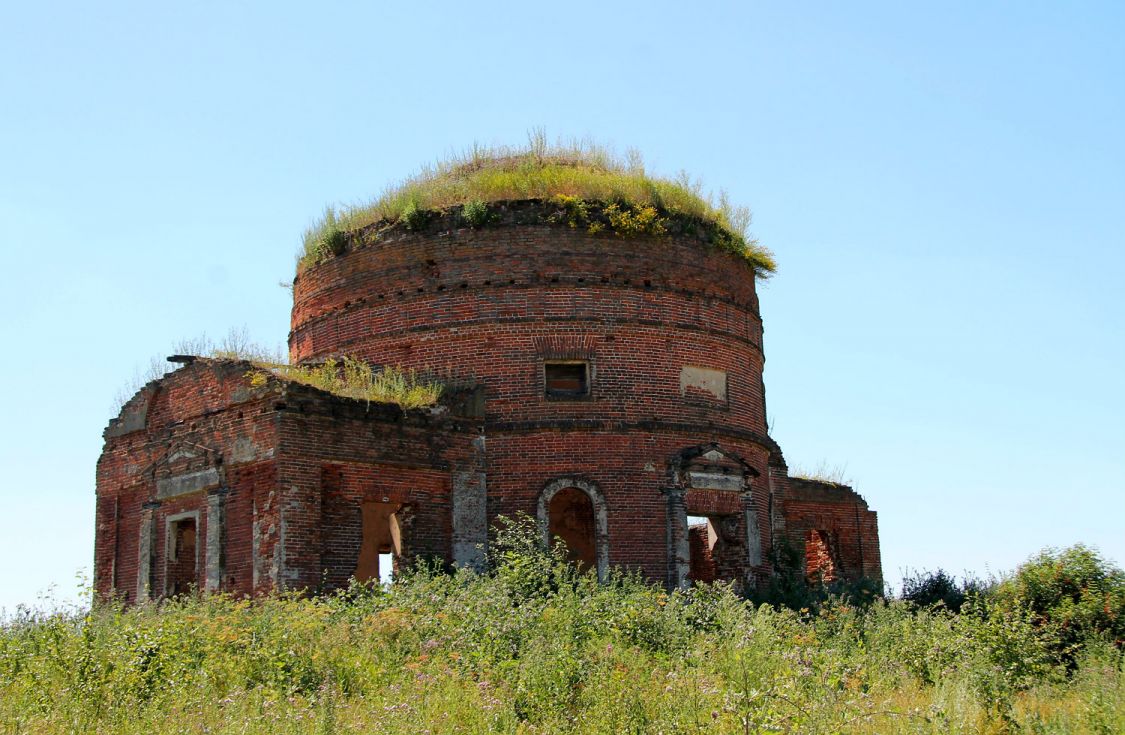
566 378
571 518
181 564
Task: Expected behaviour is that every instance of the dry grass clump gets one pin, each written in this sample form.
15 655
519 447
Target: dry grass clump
347 377
581 172
824 472
352 378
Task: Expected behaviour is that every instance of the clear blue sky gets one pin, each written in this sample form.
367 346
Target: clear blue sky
944 190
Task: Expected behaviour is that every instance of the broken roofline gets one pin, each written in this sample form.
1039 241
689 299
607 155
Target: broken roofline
133 412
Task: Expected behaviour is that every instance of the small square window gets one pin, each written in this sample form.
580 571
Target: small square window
567 379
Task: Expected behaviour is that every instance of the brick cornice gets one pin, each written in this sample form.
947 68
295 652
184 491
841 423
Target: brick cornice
494 428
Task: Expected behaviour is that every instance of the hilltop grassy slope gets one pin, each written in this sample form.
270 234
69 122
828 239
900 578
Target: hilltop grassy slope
597 190
533 647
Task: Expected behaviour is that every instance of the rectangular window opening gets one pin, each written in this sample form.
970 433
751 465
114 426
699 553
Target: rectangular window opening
567 379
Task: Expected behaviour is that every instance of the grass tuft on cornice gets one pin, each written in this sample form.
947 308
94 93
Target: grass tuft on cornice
575 176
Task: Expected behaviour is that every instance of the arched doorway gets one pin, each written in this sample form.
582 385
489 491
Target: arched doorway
570 517
575 511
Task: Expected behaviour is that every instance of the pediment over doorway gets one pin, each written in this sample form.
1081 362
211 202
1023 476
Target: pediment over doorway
710 467
186 468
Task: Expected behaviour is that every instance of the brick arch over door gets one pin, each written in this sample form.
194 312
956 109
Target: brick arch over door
600 515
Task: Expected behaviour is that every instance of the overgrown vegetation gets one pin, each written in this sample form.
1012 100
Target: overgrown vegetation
347 377
533 647
352 378
823 472
938 588
613 194
236 345
1073 595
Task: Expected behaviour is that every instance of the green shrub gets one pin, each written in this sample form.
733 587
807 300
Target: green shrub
926 589
328 239
476 213
1074 596
413 216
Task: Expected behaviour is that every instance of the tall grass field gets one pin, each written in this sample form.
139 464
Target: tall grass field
532 646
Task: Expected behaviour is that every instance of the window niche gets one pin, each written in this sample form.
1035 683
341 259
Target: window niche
566 379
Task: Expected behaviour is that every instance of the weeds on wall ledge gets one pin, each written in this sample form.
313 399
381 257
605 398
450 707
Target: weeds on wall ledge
594 189
347 377
352 378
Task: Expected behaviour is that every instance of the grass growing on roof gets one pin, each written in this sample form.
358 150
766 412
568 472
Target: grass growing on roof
564 173
347 377
352 378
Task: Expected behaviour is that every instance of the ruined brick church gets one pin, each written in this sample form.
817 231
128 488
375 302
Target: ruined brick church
609 386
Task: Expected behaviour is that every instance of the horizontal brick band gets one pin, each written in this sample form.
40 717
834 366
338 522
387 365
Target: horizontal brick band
497 428
343 344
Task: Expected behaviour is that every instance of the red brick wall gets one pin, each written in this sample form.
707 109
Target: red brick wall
294 462
336 454
842 514
629 467
489 306
207 405
493 304
702 563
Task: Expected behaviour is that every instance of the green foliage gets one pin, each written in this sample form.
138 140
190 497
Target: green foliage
413 216
476 213
580 172
628 219
926 589
1073 596
353 378
532 646
327 239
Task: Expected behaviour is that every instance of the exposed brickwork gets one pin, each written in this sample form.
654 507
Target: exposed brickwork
833 529
703 567
303 489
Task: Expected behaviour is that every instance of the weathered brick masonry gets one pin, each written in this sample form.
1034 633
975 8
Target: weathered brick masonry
610 386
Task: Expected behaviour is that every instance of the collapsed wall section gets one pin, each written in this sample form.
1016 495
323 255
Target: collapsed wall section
832 530
368 485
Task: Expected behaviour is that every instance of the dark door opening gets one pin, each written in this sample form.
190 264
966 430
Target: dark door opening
181 563
570 517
